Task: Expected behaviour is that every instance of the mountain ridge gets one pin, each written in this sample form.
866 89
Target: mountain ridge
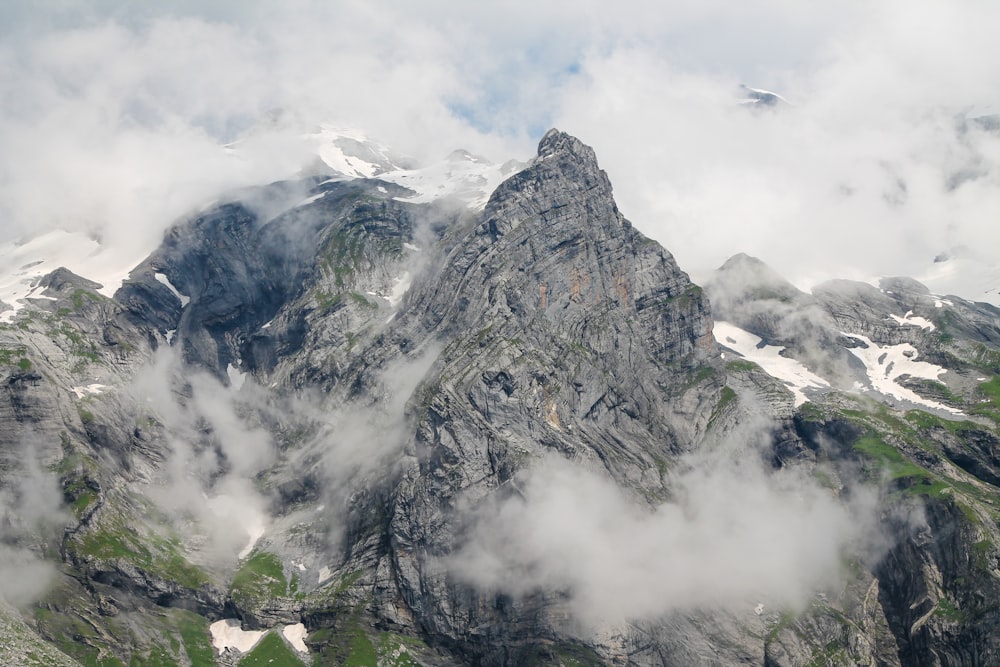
432 434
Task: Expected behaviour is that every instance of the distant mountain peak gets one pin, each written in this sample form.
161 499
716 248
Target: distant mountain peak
760 98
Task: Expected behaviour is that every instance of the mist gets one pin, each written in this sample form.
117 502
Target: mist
735 534
32 516
221 442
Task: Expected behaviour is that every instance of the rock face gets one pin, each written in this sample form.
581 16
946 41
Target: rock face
298 408
566 331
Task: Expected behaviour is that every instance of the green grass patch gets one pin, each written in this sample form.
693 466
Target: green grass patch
702 374
13 356
261 578
989 407
741 366
81 294
947 610
394 650
362 651
831 654
811 412
155 554
987 358
726 397
891 459
992 389
194 635
77 638
271 651
912 479
157 656
925 421
784 620
83 503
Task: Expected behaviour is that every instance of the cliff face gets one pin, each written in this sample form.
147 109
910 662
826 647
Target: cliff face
565 332
309 404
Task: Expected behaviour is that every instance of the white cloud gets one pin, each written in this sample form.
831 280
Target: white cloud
734 535
849 181
113 118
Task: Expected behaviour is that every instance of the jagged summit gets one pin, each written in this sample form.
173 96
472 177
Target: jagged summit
555 141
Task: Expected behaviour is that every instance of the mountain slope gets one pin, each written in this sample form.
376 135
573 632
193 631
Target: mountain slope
330 422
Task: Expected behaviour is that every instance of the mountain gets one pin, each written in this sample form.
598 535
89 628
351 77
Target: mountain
343 420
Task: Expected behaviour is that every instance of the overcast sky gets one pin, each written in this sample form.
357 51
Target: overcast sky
113 115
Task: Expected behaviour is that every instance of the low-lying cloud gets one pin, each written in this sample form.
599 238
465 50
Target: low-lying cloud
735 535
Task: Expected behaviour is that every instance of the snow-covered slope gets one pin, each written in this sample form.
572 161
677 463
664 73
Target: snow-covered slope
461 175
22 265
965 276
351 153
791 372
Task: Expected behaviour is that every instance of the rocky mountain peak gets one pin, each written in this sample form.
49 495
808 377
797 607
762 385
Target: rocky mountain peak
557 142
553 247
404 397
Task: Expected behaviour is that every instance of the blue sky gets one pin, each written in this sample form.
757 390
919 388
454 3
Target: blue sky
122 108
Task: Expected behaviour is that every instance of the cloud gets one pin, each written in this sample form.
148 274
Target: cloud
114 118
213 451
735 535
850 180
231 456
32 516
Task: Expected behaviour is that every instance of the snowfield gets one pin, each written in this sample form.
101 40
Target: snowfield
885 364
24 263
792 373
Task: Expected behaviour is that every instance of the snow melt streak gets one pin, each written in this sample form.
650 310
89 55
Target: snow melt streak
163 280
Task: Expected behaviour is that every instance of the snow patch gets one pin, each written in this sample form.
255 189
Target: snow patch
466 178
170 336
296 634
163 280
89 389
236 377
24 262
791 372
309 200
410 246
885 364
912 320
759 609
324 574
228 633
467 181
